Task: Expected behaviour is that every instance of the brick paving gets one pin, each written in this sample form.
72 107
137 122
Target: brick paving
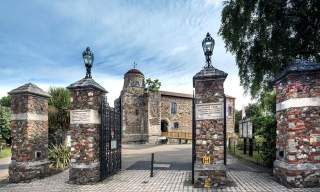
139 181
246 177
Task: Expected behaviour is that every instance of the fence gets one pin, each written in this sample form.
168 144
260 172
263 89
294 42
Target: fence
177 135
237 148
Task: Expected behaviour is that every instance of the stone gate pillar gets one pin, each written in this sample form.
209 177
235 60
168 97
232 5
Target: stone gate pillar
298 125
85 124
29 131
209 167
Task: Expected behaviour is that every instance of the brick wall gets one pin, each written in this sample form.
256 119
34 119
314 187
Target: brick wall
298 129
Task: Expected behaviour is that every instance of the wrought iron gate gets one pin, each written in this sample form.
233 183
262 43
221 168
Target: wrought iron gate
110 139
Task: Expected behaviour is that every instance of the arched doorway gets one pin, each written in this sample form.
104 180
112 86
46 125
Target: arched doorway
164 126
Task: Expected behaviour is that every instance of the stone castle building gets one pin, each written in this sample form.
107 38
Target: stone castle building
147 115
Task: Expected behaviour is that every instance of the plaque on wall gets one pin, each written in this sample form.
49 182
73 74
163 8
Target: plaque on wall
209 111
206 160
113 144
84 116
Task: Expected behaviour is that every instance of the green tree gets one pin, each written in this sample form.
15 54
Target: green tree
5 101
5 129
238 117
59 118
153 85
265 35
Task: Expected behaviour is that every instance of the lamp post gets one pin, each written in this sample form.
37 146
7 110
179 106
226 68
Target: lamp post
208 45
88 58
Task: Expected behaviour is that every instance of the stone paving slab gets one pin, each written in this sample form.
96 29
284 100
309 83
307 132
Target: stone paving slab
164 180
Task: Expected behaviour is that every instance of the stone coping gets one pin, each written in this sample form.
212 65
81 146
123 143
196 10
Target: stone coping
84 165
87 83
299 166
31 89
298 102
29 163
211 167
208 73
29 117
298 66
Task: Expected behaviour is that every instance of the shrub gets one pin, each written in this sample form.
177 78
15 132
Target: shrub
59 120
59 155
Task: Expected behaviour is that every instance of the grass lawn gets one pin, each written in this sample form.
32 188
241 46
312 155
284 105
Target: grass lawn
6 152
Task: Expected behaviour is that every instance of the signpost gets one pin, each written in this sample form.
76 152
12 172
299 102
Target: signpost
246 132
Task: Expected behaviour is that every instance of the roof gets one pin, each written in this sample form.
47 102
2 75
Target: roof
29 88
185 95
174 94
298 66
209 73
87 83
134 71
228 96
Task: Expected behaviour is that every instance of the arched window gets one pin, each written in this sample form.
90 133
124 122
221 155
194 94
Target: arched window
173 108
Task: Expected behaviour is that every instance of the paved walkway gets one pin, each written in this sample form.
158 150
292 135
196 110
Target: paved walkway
246 177
4 164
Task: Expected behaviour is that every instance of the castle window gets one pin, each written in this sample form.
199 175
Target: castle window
176 125
137 112
173 108
230 112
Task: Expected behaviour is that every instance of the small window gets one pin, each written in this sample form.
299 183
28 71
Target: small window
176 125
230 111
137 112
173 108
38 155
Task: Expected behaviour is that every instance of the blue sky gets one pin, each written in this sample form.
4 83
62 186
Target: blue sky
42 42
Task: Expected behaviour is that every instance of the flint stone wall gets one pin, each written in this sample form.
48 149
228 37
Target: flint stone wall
133 104
153 116
29 131
210 136
183 114
298 130
85 162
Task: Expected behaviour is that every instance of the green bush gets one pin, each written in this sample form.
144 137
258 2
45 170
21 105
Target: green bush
266 128
59 120
59 155
5 129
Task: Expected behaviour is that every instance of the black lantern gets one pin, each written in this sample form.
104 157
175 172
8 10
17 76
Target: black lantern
208 45
88 58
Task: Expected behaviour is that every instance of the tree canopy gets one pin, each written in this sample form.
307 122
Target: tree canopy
5 129
265 35
153 85
5 101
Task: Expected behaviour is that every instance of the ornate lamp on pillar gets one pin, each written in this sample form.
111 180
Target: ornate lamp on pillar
88 58
208 45
85 125
209 164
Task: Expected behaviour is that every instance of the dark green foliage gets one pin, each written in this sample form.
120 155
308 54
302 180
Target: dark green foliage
238 117
59 107
5 129
266 128
265 35
153 85
59 156
5 101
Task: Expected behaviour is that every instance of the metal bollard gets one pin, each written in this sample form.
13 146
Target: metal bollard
152 161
